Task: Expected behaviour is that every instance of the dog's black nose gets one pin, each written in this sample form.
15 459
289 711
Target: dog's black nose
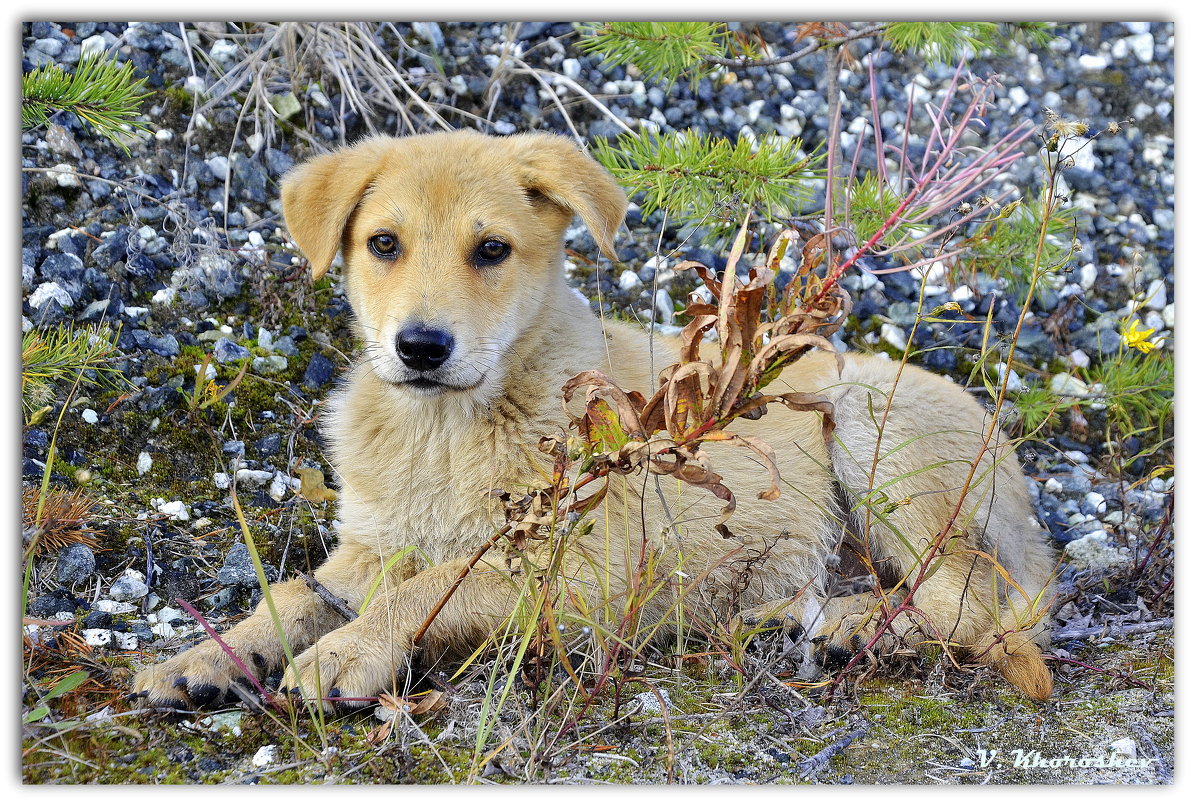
423 348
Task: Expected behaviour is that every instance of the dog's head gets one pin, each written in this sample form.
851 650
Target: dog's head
451 243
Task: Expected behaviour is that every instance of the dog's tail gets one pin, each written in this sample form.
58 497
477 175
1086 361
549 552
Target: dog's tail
1018 659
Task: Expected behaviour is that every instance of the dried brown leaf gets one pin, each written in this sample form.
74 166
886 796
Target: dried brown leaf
314 488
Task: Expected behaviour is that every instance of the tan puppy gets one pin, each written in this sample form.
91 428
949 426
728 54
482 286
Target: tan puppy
452 251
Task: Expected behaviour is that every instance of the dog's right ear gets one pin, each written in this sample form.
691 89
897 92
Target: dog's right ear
317 198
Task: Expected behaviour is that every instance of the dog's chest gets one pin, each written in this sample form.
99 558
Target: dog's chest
427 481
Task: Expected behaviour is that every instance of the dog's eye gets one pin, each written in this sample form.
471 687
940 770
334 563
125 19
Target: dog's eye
384 245
491 251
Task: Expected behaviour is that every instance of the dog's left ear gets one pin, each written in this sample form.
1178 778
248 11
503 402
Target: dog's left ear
558 169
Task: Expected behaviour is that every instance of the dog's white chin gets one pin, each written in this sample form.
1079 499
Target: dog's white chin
426 387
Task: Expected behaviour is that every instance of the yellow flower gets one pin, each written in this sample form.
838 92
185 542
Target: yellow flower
1135 338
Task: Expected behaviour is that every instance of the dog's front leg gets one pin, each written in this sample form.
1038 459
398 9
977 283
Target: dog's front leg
202 675
372 653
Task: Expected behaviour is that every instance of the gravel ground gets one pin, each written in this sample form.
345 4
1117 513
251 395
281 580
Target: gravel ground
180 244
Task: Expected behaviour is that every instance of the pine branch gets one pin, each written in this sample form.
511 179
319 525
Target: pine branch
697 178
665 50
102 93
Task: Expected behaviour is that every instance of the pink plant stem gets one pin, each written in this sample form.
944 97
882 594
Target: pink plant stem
227 649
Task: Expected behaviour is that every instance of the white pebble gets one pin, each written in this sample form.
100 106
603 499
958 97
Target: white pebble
894 336
144 463
664 306
97 638
113 607
174 509
1097 502
254 478
90 416
94 44
278 487
1066 384
266 755
50 291
1125 747
66 177
1142 45
962 293
629 280
126 640
1156 296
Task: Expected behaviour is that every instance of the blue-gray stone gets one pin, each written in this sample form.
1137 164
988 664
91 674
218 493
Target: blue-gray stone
62 267
278 162
127 588
49 605
228 351
51 47
238 570
141 266
284 345
1073 483
269 446
165 345
319 371
249 179
75 563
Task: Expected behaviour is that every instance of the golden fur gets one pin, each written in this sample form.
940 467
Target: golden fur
416 465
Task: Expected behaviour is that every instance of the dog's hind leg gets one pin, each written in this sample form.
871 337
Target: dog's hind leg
961 543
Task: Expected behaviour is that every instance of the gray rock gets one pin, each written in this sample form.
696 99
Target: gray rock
51 47
165 345
218 276
266 365
226 350
249 179
269 446
50 291
284 345
128 588
49 605
1073 483
238 571
62 267
319 371
75 563
430 32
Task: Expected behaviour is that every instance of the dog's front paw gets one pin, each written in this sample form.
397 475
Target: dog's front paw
346 670
199 677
